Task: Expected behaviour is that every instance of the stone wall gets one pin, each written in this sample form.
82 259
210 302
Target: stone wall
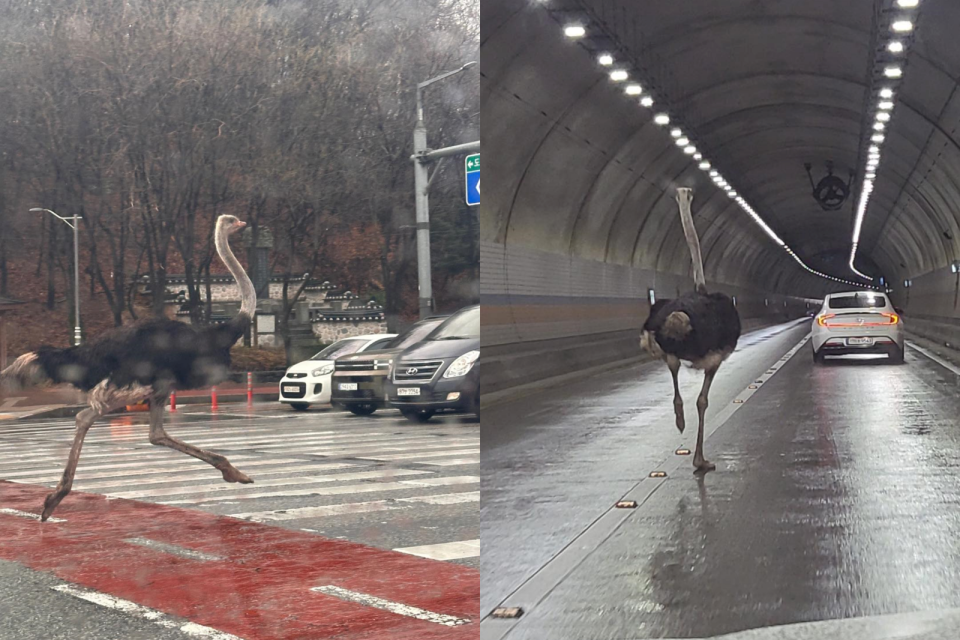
329 332
231 292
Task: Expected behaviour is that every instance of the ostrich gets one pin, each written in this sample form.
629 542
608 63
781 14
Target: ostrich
143 361
698 327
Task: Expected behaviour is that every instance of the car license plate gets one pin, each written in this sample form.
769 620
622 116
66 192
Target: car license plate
348 386
408 391
290 389
859 342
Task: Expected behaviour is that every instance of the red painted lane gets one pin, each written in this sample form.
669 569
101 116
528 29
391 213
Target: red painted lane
261 588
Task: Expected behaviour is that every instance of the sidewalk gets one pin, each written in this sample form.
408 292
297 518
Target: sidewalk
64 401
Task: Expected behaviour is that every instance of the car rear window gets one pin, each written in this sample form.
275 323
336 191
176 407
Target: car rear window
858 301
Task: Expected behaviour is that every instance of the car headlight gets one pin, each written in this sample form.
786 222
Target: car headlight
323 371
462 365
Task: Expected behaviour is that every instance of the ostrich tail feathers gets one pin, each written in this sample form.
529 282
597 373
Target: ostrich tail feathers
25 372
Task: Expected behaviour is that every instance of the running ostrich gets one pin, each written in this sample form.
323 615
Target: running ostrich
143 361
698 327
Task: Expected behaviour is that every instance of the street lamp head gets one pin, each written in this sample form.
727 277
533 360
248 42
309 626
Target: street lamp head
36 209
472 63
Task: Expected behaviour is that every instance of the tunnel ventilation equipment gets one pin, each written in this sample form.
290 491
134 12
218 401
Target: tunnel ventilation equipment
831 192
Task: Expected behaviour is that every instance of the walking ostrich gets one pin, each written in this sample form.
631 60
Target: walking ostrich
145 360
698 327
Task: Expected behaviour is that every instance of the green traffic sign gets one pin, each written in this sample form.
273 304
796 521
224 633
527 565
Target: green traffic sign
473 163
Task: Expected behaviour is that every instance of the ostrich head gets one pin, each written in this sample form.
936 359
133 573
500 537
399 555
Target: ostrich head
230 224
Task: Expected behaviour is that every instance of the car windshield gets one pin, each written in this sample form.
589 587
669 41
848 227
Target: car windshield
858 301
415 334
338 349
462 326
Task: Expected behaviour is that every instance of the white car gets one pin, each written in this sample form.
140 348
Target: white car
308 382
858 322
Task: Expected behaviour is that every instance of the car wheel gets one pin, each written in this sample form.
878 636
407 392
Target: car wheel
896 356
362 409
818 357
299 406
420 416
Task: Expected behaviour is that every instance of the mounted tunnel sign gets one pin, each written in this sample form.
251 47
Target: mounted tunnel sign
473 179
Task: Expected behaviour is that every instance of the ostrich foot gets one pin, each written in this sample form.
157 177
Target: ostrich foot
50 503
232 474
702 465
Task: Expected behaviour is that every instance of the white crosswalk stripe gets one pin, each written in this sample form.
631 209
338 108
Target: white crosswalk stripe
320 472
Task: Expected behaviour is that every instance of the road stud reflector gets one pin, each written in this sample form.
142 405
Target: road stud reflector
507 612
627 504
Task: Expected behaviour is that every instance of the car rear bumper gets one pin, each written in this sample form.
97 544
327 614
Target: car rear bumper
835 346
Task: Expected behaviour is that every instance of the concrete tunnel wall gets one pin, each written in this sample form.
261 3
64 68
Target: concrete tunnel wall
582 220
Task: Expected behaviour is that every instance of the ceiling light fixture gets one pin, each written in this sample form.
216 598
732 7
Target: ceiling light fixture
574 31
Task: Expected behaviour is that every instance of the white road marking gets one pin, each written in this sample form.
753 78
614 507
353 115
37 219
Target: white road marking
445 550
453 462
415 456
205 475
445 498
187 461
134 609
392 607
940 361
172 549
371 487
136 469
355 507
279 482
317 512
439 482
27 514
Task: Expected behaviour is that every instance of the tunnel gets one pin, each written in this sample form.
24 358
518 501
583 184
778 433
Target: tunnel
582 229
820 140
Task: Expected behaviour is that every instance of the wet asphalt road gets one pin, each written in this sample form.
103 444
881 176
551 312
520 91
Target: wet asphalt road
380 481
835 496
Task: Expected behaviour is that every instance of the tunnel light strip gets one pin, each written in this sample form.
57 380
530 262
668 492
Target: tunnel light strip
890 59
619 74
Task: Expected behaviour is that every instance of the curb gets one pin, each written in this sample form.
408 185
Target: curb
70 411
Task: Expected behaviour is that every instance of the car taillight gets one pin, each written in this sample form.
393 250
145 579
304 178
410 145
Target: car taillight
892 318
822 320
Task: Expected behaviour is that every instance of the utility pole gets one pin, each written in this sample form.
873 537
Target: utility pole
75 225
422 179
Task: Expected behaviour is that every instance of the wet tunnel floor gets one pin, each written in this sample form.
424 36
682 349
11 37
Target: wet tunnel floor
835 497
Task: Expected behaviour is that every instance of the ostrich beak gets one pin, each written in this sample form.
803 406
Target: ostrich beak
241 224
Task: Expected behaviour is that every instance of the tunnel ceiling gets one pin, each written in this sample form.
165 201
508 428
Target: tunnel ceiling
763 87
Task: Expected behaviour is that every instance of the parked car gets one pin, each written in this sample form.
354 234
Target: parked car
440 373
859 322
308 382
357 383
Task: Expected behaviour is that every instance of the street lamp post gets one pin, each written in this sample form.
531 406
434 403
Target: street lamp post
76 267
422 184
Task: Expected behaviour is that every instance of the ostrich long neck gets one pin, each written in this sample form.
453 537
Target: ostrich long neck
684 198
248 295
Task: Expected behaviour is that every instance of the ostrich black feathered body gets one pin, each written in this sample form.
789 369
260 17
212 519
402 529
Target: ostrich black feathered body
695 326
153 353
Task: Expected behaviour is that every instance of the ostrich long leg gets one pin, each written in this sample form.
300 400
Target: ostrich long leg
159 437
85 420
674 364
698 460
